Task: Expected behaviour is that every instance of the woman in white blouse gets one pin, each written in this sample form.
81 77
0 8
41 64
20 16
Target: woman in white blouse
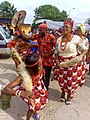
81 32
68 66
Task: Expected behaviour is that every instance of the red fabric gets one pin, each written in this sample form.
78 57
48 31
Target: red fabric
40 94
43 25
46 48
69 78
69 21
12 44
16 33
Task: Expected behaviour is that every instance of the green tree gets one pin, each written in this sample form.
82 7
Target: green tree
7 10
50 12
63 15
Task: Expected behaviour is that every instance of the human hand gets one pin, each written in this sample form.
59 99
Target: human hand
27 94
18 27
15 59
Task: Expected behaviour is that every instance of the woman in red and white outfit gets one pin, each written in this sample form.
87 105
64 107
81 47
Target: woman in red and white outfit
68 71
38 97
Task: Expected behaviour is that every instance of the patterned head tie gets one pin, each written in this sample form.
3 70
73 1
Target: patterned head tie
69 22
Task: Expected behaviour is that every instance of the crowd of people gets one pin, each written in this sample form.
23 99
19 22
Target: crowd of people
66 52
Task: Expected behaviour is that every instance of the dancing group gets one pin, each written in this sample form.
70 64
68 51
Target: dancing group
65 56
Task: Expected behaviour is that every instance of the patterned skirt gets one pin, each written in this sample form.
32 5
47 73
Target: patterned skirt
40 95
69 78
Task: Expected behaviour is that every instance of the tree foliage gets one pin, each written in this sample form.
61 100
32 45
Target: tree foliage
7 10
50 12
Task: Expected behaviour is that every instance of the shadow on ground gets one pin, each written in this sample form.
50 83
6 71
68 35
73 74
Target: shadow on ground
17 110
87 82
54 95
4 56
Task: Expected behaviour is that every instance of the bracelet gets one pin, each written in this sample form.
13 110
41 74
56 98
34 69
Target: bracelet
17 93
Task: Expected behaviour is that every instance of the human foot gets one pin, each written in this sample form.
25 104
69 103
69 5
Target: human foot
68 101
36 116
62 98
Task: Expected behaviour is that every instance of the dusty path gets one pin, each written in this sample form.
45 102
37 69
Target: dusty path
55 110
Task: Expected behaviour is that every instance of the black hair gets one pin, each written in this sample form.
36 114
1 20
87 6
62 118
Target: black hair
31 59
21 37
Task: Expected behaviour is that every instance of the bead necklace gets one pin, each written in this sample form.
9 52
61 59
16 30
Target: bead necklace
66 42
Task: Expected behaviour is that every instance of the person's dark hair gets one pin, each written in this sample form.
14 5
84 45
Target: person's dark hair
79 28
31 62
21 37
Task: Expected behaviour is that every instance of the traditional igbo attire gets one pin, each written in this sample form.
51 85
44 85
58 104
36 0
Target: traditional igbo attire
69 78
21 47
46 50
40 94
38 88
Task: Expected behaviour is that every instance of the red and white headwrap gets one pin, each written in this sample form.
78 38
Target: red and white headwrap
69 22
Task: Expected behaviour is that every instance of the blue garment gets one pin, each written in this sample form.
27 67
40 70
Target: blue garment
32 42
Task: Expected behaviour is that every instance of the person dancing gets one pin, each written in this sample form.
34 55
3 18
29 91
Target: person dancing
38 97
47 45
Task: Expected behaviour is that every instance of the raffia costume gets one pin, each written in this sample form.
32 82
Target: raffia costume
34 84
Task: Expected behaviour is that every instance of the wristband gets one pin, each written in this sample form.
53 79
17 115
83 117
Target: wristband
17 93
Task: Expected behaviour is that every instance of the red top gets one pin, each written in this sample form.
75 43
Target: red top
46 48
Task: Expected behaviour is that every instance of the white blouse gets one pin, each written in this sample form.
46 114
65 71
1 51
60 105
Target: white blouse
71 47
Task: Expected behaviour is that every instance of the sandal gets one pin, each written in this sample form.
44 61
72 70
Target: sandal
36 117
62 99
68 101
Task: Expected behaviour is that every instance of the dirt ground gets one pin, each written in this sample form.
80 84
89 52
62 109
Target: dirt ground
55 110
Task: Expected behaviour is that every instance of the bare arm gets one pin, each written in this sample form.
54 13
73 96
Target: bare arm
27 37
85 52
10 91
9 88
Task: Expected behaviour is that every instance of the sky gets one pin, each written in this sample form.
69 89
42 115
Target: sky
78 10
